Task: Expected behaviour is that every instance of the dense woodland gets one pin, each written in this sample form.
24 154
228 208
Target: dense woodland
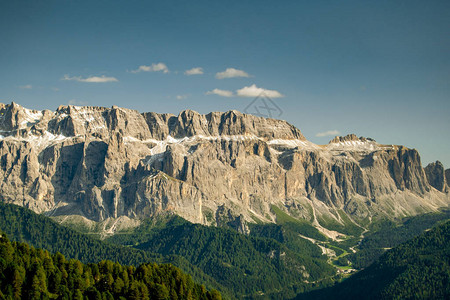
23 225
388 234
249 265
273 261
417 269
30 273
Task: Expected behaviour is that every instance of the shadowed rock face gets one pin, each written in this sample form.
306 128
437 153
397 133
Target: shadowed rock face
216 168
436 176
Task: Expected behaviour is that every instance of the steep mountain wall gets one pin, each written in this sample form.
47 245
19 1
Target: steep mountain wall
104 163
436 175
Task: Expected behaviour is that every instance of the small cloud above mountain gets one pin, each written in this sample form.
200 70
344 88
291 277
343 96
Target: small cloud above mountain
254 91
77 102
247 91
194 71
328 133
91 79
223 93
159 67
231 73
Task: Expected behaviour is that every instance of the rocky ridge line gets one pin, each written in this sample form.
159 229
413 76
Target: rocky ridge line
109 163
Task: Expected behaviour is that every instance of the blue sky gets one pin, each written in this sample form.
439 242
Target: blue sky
374 68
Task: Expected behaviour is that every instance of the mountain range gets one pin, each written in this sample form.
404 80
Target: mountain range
117 166
245 204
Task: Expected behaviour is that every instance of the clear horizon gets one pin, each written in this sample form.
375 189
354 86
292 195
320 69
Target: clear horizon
379 70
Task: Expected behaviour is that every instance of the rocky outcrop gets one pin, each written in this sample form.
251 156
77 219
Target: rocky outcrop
350 138
190 123
436 176
100 122
447 176
219 168
226 217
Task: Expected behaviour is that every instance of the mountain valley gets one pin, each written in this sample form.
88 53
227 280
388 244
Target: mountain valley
246 205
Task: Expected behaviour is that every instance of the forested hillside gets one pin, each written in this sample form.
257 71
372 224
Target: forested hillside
23 225
387 234
417 269
274 261
247 265
30 273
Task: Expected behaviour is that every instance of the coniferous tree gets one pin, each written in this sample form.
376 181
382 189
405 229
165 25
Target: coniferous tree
29 273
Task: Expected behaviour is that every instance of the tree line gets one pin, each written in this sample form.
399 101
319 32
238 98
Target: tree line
30 273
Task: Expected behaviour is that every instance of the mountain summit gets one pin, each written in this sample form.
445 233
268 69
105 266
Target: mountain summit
117 163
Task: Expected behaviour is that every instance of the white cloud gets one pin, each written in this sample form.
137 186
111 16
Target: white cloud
194 71
77 102
91 79
55 89
159 67
181 97
254 91
26 87
247 91
230 73
222 93
328 133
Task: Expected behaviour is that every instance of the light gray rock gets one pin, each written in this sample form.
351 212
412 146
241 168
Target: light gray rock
220 168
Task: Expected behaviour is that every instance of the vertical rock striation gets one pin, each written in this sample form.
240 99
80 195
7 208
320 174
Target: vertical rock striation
218 168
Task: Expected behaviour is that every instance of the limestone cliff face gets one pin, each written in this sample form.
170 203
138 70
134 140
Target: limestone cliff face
219 168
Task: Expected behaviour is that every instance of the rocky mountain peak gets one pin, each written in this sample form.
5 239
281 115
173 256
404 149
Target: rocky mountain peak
436 176
70 120
102 163
14 117
231 123
350 138
351 142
